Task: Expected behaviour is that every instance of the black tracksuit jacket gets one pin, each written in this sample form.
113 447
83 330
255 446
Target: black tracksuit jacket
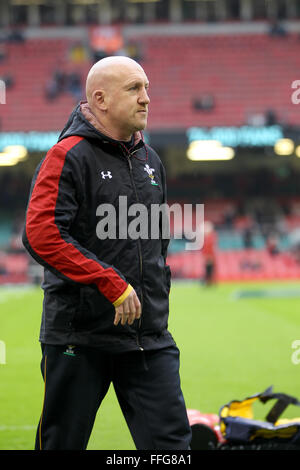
85 276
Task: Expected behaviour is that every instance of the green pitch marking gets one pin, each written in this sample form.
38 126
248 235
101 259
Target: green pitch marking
266 293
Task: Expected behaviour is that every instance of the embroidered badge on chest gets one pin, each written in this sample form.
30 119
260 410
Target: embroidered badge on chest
150 174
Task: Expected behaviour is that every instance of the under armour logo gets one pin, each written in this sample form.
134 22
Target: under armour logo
106 175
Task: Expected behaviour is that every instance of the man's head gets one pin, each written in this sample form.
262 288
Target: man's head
117 93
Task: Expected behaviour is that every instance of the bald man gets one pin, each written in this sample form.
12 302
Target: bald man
106 285
111 89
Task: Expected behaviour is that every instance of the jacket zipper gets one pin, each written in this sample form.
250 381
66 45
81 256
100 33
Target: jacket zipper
128 156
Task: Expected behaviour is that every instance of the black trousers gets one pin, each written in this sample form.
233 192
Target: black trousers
147 386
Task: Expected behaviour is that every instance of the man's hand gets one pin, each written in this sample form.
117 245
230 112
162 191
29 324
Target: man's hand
129 310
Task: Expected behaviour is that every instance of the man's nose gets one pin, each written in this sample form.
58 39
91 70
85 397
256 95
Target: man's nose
144 97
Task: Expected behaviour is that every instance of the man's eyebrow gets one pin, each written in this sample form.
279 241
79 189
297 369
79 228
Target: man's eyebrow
137 82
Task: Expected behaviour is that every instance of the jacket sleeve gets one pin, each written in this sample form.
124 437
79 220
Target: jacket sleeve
51 210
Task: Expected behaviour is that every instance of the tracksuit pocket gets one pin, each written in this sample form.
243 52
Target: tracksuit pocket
94 310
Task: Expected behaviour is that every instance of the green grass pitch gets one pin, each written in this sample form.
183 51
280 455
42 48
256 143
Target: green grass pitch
230 348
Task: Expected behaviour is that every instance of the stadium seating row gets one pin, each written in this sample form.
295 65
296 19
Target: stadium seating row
244 265
247 265
31 65
246 74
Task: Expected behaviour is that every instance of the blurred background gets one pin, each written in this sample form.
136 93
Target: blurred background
224 117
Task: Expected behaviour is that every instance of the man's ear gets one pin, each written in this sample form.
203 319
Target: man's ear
99 99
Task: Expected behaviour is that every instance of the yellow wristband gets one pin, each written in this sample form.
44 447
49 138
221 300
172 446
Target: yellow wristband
125 294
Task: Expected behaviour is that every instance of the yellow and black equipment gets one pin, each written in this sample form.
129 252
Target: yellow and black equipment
241 430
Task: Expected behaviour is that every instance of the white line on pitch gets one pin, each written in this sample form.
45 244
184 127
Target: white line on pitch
25 427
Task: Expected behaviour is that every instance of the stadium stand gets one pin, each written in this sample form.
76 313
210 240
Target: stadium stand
250 265
246 74
196 80
33 63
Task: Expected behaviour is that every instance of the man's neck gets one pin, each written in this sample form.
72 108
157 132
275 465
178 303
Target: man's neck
102 126
114 134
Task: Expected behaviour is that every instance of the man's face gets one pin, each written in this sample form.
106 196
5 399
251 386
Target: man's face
127 101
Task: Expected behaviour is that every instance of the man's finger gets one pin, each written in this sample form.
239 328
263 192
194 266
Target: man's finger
133 311
124 318
138 307
118 314
126 311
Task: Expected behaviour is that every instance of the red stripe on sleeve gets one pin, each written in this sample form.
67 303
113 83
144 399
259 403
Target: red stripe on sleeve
44 236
